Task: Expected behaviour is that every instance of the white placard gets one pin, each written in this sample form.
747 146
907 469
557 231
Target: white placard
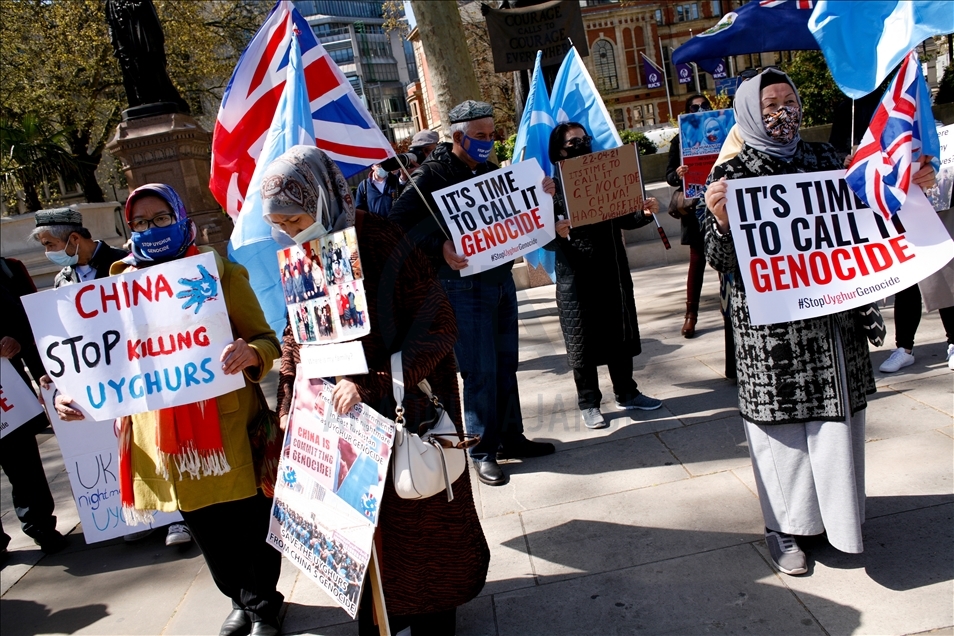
499 216
91 455
330 360
808 247
139 341
18 404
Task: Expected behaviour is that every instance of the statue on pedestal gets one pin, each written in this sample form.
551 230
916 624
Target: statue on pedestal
139 45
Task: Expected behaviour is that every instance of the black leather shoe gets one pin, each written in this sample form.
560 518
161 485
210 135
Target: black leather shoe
236 624
50 541
522 448
490 473
266 628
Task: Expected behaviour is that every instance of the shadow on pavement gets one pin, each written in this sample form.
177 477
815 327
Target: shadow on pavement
30 617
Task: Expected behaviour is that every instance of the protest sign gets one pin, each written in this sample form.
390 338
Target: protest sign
517 34
602 185
940 194
701 136
499 216
91 456
139 341
323 283
807 246
18 404
329 490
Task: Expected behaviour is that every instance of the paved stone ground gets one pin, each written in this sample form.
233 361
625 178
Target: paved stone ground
649 526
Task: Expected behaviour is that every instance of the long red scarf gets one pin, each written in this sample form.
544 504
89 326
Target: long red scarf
189 436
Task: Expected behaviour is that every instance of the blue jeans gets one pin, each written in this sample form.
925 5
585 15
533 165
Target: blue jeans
487 357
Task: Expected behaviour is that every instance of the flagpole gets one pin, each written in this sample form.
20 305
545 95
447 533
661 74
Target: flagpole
665 77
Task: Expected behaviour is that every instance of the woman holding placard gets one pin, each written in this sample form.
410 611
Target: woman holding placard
198 458
802 384
433 553
595 294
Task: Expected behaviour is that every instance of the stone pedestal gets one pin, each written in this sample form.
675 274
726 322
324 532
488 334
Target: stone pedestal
172 148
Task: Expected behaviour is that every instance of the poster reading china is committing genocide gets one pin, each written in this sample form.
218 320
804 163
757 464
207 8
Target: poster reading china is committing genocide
602 185
330 484
498 216
807 246
139 341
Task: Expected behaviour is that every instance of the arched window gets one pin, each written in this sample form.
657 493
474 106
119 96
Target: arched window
605 60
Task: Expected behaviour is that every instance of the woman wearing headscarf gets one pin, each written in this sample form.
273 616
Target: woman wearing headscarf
594 293
433 553
802 384
219 496
691 234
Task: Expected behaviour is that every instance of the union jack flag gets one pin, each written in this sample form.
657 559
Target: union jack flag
800 4
901 131
343 126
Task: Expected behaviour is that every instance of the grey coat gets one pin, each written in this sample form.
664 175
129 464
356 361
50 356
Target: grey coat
788 372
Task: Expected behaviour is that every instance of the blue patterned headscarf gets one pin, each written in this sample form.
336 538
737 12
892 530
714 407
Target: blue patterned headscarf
181 234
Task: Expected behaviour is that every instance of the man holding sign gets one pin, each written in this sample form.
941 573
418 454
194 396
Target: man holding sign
485 303
802 381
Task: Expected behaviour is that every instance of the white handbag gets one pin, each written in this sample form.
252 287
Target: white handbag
425 465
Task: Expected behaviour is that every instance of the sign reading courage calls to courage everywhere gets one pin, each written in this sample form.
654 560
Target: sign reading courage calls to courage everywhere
499 216
808 247
517 34
139 341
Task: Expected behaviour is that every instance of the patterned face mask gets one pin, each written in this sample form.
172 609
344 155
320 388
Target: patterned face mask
782 125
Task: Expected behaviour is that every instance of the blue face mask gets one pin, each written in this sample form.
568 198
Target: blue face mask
63 258
159 243
478 150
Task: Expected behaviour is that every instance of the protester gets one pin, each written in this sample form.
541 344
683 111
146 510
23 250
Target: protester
71 246
485 304
377 192
19 453
423 144
802 384
227 513
594 294
425 544
691 234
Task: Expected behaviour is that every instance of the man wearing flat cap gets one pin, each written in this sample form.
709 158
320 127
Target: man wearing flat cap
485 304
71 246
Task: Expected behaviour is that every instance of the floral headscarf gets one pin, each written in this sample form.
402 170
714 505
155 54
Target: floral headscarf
305 179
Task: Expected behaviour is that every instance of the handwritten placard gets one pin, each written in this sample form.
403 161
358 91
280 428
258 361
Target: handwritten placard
18 404
602 185
139 341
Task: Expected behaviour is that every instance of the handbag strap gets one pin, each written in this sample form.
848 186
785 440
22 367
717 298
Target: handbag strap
397 385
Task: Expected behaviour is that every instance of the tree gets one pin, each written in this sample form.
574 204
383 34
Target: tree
495 88
31 155
57 61
644 144
820 95
945 92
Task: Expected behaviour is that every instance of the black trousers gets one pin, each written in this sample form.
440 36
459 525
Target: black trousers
588 383
907 317
32 501
231 536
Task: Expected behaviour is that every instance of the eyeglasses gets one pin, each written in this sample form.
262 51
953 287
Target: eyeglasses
695 108
576 142
749 73
160 220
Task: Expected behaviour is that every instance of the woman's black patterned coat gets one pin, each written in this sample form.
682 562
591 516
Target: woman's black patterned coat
788 372
594 290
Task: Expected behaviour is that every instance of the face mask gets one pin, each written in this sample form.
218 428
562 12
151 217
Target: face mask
159 243
579 149
782 125
478 150
380 173
62 259
314 231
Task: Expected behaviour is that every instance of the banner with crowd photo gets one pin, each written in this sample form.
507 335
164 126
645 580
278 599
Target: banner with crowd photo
807 246
330 485
701 136
323 284
18 404
499 216
90 452
136 342
602 185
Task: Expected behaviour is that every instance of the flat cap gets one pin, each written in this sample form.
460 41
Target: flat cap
424 138
469 111
58 216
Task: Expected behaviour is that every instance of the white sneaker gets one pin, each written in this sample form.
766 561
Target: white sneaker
178 534
898 359
950 357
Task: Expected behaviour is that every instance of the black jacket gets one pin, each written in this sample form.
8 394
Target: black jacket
594 290
15 282
441 170
103 257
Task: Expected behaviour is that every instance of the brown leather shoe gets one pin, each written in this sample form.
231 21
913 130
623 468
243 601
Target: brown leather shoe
689 326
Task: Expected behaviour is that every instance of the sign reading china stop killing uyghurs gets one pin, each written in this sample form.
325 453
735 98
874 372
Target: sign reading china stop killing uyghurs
498 216
808 247
140 341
